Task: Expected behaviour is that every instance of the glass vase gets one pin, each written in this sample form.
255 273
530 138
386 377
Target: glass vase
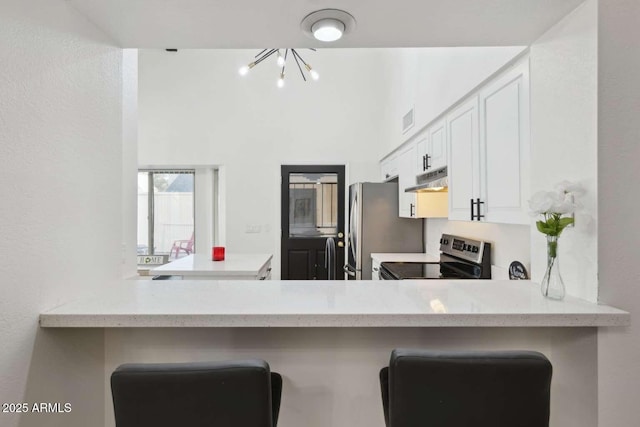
552 285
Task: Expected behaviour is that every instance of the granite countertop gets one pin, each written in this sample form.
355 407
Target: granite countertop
406 303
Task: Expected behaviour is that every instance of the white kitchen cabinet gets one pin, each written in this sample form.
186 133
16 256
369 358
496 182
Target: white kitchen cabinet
505 147
464 169
431 148
389 168
437 146
406 179
488 145
422 150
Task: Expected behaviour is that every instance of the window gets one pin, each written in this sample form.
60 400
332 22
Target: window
166 212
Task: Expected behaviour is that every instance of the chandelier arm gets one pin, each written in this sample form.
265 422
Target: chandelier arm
265 56
263 51
286 51
298 63
300 58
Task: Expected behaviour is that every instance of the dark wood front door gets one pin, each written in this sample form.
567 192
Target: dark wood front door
313 199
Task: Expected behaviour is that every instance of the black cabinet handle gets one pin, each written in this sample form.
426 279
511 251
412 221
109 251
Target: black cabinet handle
424 163
428 158
411 209
477 203
386 176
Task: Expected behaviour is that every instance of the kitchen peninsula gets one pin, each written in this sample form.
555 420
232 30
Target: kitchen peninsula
233 267
329 339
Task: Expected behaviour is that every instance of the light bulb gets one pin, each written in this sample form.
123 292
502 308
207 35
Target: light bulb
281 81
244 70
280 60
314 73
328 30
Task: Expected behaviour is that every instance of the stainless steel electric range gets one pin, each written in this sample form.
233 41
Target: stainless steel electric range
460 258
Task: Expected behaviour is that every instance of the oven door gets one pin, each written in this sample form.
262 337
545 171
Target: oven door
384 274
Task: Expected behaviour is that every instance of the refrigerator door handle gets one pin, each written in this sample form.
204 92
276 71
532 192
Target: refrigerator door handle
347 269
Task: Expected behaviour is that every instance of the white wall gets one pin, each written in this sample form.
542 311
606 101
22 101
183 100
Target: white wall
60 216
564 141
618 230
129 161
195 109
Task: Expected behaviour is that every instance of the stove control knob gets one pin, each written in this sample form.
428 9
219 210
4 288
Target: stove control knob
475 249
441 241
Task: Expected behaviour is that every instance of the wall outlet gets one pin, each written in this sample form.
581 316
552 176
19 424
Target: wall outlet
252 228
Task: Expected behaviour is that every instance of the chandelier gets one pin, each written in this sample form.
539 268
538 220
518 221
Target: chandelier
281 61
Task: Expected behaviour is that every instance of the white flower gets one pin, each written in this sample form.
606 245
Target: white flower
542 202
568 187
552 202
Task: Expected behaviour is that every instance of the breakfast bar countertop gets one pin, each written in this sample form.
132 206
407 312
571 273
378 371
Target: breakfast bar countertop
276 303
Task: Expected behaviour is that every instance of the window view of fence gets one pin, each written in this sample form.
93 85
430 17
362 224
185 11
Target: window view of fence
166 213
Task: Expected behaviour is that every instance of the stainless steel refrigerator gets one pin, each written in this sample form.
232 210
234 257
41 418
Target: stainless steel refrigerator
374 227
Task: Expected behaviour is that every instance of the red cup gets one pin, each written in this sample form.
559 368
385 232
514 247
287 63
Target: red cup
217 253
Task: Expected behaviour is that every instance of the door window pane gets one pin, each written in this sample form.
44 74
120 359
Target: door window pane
313 205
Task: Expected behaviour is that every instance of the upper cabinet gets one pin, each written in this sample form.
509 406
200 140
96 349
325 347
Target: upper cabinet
484 140
432 148
488 141
389 167
406 179
505 147
464 159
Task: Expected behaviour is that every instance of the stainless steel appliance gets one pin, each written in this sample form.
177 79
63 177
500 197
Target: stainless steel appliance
460 258
374 226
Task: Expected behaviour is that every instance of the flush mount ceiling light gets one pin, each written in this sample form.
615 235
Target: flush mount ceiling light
328 25
281 61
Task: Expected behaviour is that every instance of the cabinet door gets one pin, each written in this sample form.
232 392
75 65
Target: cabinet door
437 146
504 147
462 141
422 149
407 178
389 168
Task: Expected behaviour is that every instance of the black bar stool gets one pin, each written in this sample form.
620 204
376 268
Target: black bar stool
222 394
463 389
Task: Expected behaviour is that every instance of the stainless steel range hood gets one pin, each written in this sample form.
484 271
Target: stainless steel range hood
430 182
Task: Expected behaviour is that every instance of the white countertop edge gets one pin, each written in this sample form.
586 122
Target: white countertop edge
462 320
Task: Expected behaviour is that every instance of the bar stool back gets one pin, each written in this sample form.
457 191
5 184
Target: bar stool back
463 389
223 394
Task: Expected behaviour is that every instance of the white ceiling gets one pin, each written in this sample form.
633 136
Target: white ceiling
276 23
